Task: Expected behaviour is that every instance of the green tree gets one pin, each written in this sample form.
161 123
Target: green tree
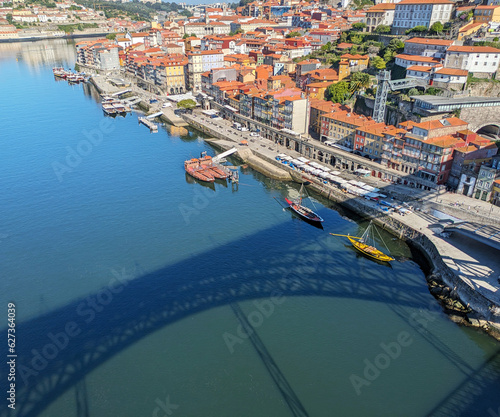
111 36
9 18
413 92
185 36
396 45
337 92
437 27
327 47
358 26
343 37
359 4
293 34
383 29
377 63
418 29
186 13
362 78
356 39
186 104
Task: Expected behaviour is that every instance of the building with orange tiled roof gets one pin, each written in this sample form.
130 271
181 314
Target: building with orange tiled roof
487 14
200 62
476 59
317 90
467 160
101 54
320 107
469 29
380 14
428 147
449 77
340 126
406 61
434 48
411 13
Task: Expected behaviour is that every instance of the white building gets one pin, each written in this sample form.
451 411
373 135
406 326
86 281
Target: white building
450 77
475 59
406 61
411 13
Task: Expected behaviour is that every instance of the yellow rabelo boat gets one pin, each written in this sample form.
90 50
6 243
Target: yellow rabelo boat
361 244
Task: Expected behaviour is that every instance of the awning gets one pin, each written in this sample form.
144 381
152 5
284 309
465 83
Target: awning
304 160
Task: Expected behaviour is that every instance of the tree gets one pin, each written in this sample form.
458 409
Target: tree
358 26
185 36
416 29
396 45
111 36
382 29
9 18
327 47
413 92
343 37
293 34
437 27
186 13
389 55
186 104
377 63
362 78
356 39
337 92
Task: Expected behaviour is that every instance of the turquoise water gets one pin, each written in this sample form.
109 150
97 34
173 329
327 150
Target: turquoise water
134 268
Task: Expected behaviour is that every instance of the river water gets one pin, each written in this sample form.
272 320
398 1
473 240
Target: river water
140 292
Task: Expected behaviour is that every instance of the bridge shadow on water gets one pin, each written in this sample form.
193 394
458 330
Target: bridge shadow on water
61 347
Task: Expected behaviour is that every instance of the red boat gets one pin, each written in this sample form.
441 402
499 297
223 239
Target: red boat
304 212
60 72
207 163
196 170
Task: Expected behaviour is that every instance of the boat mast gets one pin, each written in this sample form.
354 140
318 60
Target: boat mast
366 235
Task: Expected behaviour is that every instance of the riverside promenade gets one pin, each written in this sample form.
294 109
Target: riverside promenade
470 269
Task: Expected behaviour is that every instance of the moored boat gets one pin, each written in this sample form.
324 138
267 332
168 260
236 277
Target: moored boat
193 168
60 72
207 163
109 109
302 211
366 245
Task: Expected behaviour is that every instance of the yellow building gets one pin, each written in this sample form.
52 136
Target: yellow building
344 70
469 29
175 71
317 90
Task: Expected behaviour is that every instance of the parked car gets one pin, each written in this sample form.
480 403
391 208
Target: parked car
244 129
254 134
